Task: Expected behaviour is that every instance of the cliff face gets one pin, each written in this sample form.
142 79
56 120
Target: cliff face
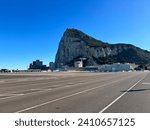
76 44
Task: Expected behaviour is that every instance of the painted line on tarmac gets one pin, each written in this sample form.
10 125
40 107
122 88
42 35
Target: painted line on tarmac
109 105
13 95
50 88
9 95
68 96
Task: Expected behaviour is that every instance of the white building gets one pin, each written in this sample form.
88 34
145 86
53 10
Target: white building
116 67
78 64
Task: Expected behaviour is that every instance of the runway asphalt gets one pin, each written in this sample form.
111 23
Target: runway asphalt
75 92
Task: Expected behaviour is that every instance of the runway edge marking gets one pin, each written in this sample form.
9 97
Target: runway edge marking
109 105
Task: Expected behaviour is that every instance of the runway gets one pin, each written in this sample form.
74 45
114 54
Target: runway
75 92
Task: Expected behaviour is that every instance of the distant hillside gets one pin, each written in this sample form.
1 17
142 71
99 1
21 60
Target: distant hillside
76 44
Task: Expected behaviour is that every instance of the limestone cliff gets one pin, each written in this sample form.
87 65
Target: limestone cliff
76 44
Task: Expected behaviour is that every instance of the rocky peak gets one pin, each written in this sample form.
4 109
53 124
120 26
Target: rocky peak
77 35
74 33
75 44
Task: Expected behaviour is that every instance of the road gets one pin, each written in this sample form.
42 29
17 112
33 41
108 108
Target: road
75 92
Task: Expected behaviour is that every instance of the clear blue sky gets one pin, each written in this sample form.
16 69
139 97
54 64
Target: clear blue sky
31 29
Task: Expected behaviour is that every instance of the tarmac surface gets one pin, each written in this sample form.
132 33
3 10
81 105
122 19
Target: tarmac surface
75 92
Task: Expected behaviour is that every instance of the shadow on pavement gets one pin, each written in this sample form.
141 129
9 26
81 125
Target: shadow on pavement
136 90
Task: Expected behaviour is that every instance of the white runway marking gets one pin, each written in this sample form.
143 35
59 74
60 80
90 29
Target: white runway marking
104 109
21 93
68 96
9 95
35 90
48 89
